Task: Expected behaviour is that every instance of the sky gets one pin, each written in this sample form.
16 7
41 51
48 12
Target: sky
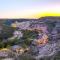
29 8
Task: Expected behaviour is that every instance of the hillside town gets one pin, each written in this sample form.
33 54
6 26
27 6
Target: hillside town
30 39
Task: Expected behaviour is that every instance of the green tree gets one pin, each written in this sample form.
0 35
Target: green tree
28 35
6 32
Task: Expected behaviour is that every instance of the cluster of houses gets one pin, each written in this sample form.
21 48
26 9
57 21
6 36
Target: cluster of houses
29 25
21 25
39 27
